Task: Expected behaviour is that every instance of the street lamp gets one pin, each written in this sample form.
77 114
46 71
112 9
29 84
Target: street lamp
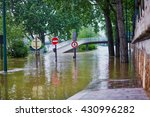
4 36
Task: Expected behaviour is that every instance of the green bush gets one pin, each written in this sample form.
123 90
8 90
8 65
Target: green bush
91 47
83 47
18 49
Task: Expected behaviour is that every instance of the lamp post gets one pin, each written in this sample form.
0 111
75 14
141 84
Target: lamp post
4 36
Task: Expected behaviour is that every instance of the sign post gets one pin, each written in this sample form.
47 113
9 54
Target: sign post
55 42
74 43
36 44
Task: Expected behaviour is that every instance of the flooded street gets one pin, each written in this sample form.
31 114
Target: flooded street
44 79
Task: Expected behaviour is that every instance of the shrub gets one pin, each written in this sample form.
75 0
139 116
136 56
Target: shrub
18 49
90 47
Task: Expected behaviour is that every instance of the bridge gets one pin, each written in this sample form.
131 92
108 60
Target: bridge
66 46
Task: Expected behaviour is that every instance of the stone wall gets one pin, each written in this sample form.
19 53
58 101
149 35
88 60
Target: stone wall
141 53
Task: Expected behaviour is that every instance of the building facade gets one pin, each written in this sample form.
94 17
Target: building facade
141 41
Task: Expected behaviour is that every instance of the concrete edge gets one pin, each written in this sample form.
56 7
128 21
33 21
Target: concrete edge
78 95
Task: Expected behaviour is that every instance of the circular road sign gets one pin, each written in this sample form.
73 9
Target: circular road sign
74 44
54 40
36 43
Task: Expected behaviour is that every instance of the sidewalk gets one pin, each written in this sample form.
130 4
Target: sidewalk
124 89
111 94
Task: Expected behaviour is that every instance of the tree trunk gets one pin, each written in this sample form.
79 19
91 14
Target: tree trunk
109 32
42 37
31 34
121 27
117 41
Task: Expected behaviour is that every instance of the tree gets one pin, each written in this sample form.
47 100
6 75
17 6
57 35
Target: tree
121 28
105 9
74 14
49 17
34 15
13 31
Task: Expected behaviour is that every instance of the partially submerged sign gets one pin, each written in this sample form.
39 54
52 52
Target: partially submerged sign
36 43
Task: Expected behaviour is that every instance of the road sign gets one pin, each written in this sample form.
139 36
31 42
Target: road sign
54 40
36 43
74 44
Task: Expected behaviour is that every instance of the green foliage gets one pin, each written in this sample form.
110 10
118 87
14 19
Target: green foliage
91 47
87 32
83 47
15 45
18 49
59 17
55 17
13 30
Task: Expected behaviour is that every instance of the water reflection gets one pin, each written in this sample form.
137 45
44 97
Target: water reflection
74 71
110 73
40 77
4 87
37 59
55 79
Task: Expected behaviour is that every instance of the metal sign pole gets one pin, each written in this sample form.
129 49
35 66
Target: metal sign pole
4 36
55 53
36 45
36 54
74 39
55 42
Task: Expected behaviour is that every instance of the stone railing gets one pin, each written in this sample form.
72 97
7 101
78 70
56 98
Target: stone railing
143 23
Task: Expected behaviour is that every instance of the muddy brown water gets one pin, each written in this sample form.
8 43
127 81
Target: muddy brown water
44 79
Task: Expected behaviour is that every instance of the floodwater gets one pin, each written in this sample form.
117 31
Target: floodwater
41 78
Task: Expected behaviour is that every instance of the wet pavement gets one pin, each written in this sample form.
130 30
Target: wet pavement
111 94
39 77
124 89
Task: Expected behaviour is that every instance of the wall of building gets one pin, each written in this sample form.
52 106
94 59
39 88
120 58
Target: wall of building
141 51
